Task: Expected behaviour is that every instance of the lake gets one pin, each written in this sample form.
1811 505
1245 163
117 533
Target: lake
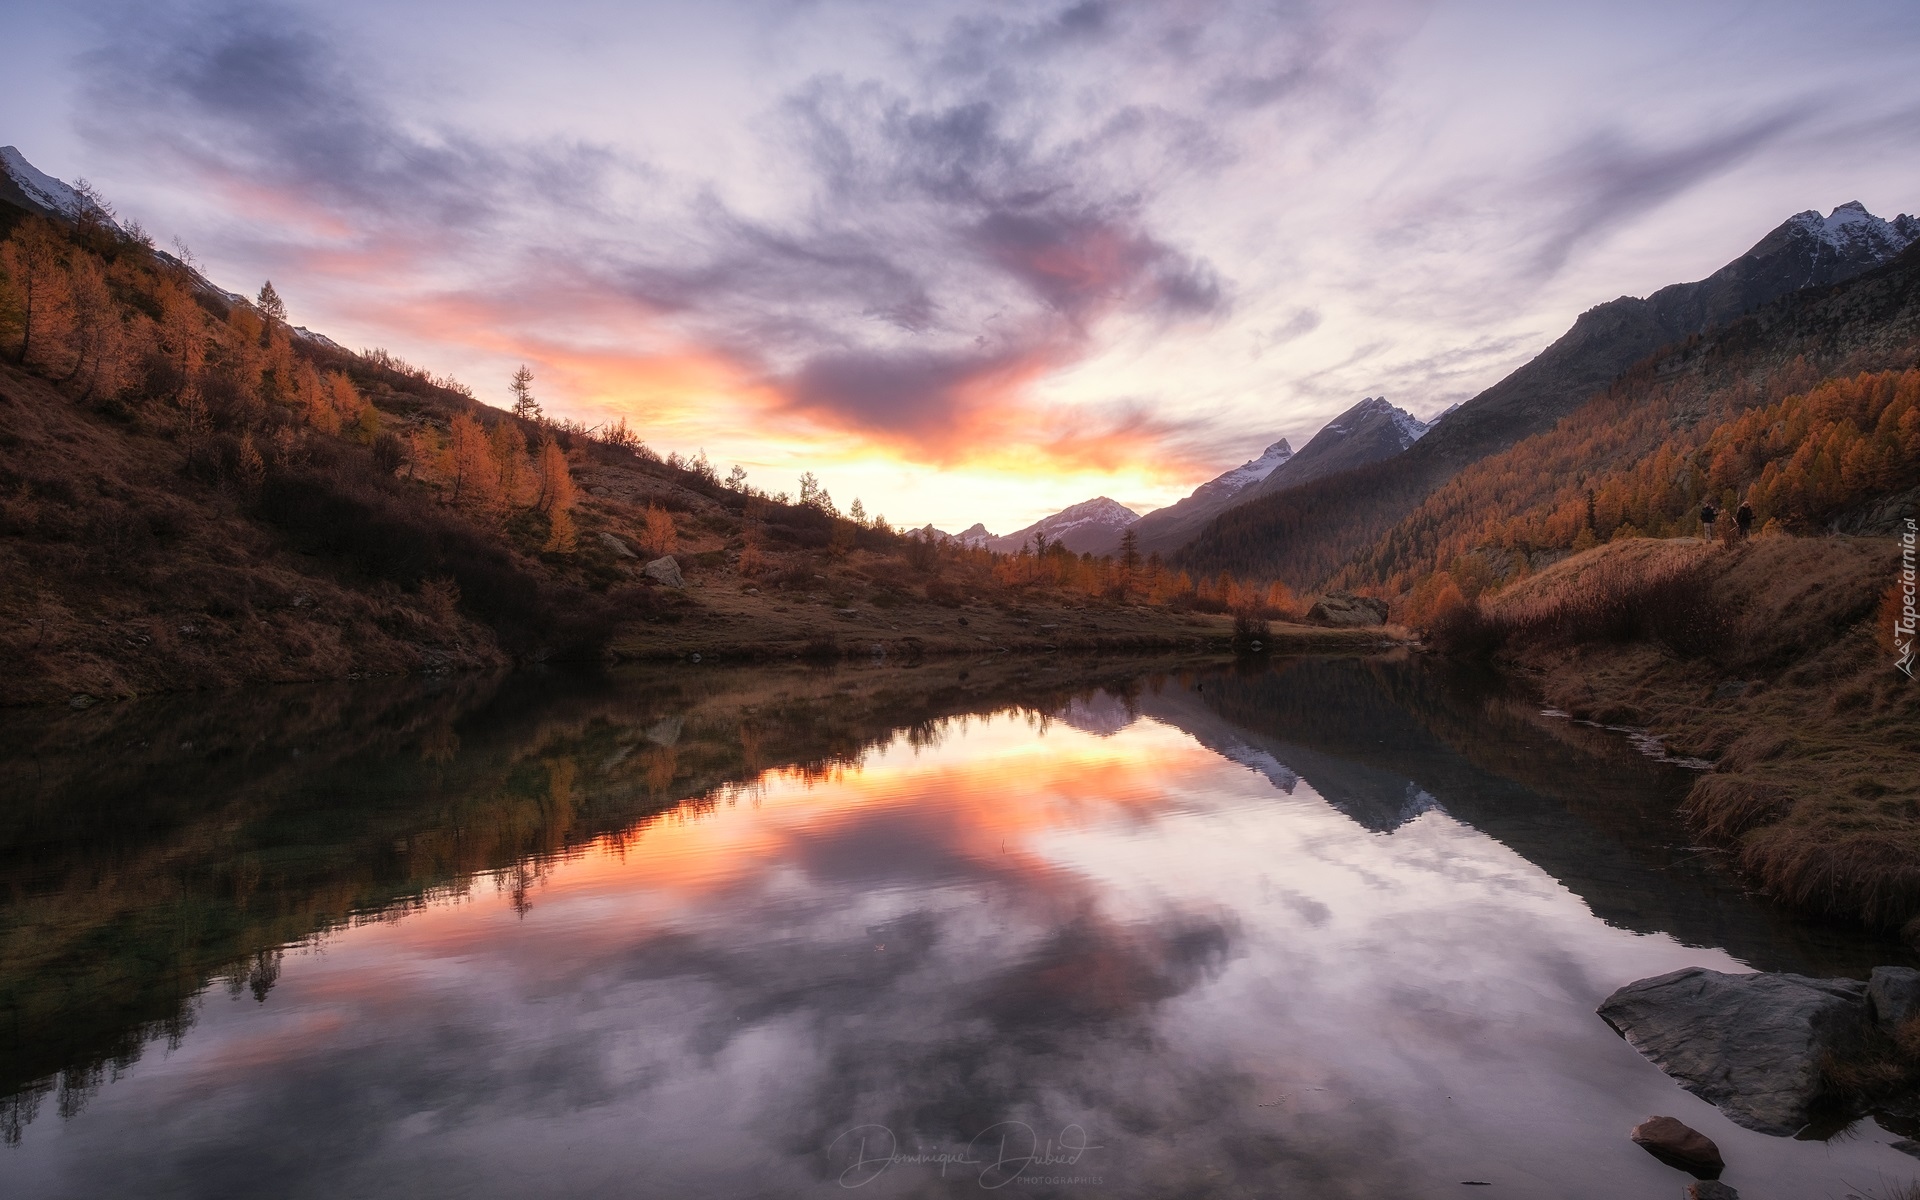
1321 927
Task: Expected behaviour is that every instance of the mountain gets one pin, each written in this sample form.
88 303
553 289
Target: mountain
1170 528
27 187
1368 432
1091 525
973 536
1306 532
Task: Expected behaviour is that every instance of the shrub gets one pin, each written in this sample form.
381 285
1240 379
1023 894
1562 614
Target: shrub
1672 605
348 510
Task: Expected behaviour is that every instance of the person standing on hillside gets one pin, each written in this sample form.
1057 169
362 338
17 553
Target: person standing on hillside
1743 517
1708 515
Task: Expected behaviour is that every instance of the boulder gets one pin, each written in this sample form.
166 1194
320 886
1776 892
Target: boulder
1345 608
1893 996
1751 1044
664 571
618 547
1680 1145
1711 1189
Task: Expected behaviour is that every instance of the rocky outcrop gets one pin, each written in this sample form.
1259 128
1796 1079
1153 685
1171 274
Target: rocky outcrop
1751 1044
1680 1145
665 571
1345 608
619 548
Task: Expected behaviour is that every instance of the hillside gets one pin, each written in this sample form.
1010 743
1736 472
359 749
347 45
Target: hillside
1771 658
1807 408
1307 534
195 494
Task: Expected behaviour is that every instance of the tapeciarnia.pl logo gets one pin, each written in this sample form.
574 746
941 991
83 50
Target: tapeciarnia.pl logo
1903 622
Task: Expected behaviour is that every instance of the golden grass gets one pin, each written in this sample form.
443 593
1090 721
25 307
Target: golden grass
1815 736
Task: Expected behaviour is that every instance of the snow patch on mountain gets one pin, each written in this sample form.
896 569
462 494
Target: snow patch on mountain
1252 471
43 189
1089 525
1852 231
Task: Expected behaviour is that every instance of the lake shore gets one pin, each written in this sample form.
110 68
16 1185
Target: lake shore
1765 662
734 623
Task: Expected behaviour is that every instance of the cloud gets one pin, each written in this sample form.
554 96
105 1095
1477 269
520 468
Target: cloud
961 233
1606 179
262 98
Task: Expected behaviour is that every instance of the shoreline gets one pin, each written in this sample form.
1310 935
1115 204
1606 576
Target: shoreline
1206 634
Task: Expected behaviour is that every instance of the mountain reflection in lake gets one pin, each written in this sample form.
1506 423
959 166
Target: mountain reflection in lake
1329 928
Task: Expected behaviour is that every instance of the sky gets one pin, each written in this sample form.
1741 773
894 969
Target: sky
968 260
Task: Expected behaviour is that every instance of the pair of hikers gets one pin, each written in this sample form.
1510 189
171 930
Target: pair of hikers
1742 518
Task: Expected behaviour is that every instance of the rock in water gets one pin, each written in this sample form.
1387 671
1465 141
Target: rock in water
1711 1189
664 571
1751 1044
618 547
1679 1145
1893 996
1345 608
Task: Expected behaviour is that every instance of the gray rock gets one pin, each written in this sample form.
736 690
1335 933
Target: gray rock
618 547
1751 1044
1345 608
1711 1189
664 571
1893 996
1678 1144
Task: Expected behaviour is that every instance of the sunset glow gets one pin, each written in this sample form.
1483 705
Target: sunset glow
967 261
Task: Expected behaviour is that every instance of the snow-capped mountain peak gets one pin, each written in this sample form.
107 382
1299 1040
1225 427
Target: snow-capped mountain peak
1091 525
44 190
1254 470
1853 231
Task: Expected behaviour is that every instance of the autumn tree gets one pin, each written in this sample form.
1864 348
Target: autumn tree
657 534
556 496
509 449
30 261
470 465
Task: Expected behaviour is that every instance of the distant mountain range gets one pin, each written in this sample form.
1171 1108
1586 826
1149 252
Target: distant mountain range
1369 431
1091 526
1305 530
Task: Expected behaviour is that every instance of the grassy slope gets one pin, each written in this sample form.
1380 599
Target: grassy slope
1814 735
119 577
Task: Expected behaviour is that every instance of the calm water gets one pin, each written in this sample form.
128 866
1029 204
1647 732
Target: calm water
1330 928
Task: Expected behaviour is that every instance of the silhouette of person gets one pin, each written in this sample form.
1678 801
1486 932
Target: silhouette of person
1743 517
1708 515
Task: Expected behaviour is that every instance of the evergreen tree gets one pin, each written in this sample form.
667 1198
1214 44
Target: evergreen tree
524 405
269 302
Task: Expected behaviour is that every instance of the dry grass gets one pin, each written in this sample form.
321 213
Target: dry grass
1815 736
118 575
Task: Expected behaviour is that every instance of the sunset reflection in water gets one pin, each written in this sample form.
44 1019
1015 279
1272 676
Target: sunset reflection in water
1121 950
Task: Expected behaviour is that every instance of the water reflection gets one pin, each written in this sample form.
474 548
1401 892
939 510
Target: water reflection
1334 928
